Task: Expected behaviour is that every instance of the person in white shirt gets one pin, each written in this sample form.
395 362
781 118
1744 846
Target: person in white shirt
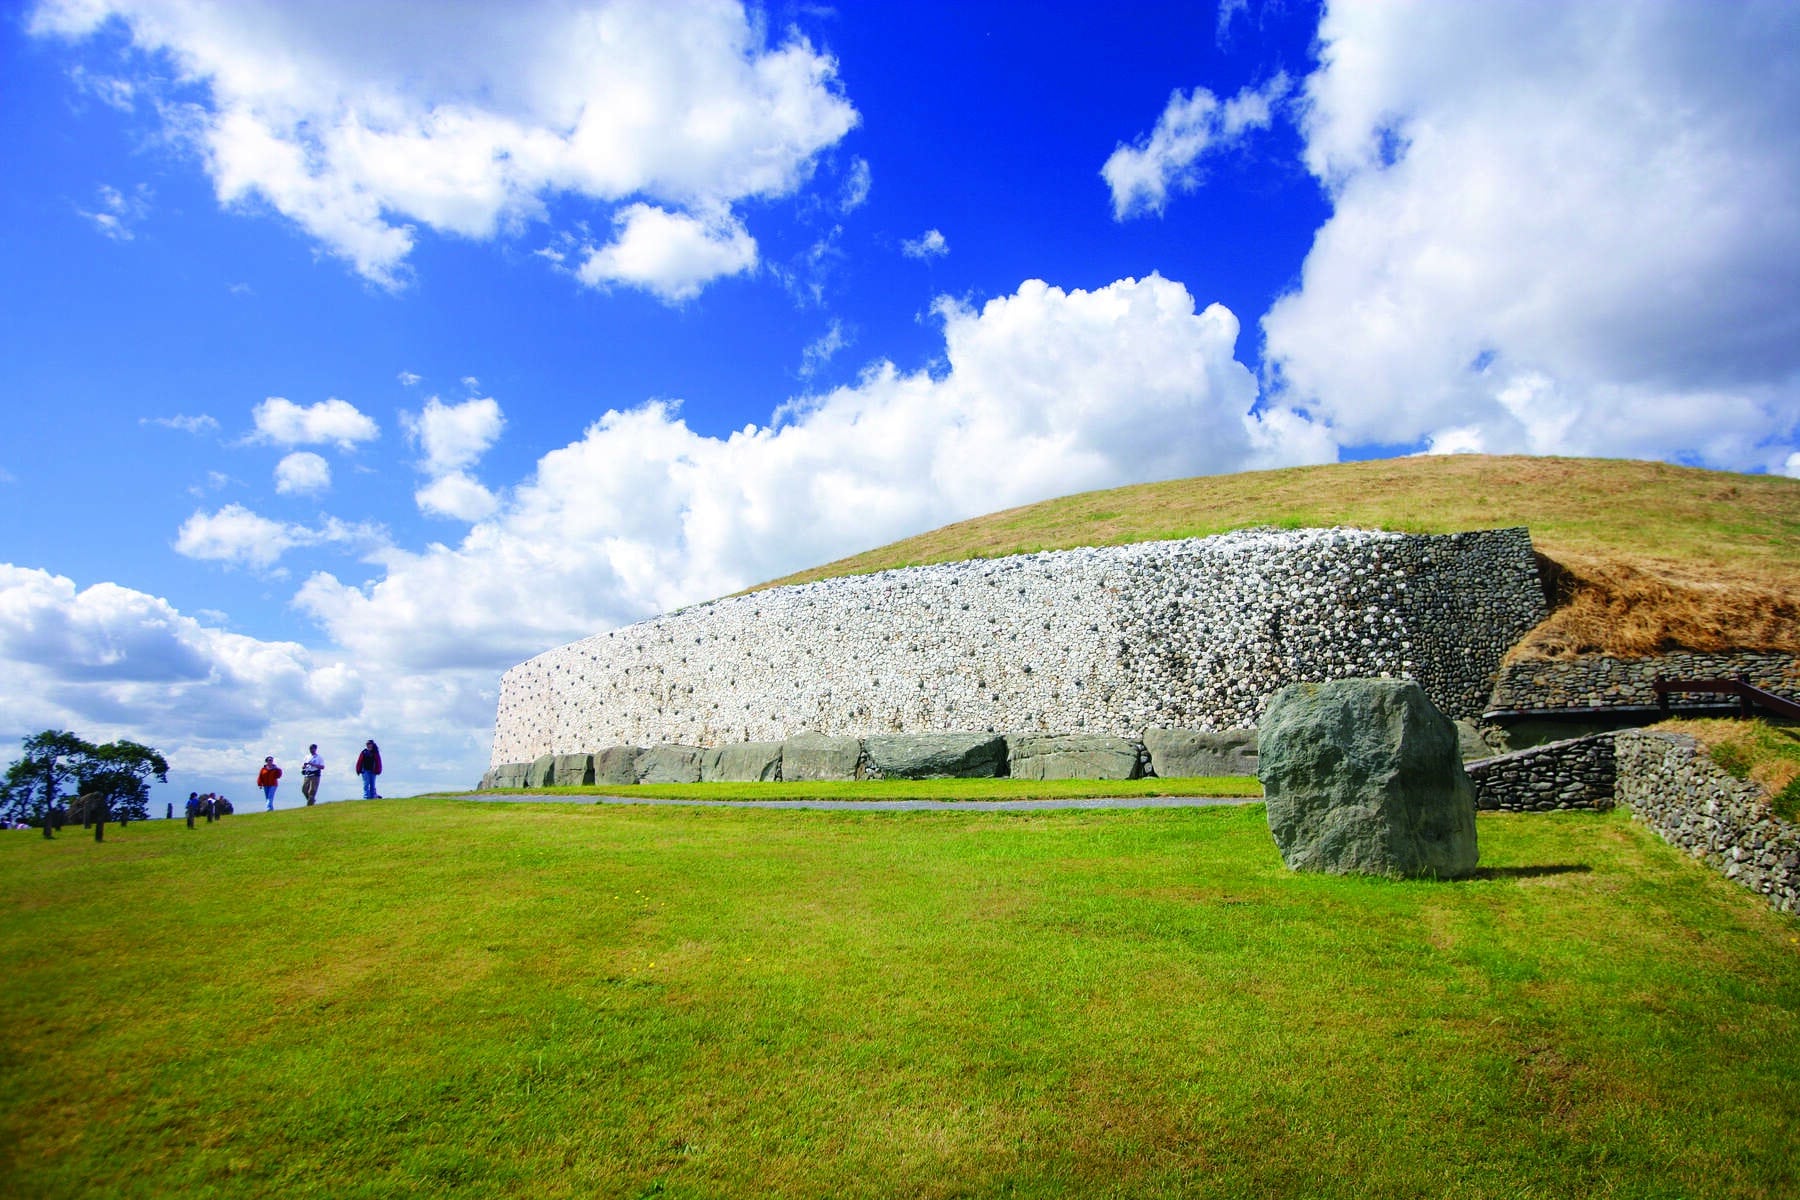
310 770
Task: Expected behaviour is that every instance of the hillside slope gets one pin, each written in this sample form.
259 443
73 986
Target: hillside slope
1638 556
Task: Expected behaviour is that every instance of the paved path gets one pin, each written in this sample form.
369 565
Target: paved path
1089 802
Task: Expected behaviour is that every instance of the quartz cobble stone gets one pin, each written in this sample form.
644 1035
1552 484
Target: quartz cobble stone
1113 640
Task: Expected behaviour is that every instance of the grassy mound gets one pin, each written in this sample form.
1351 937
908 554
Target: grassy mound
445 997
1640 556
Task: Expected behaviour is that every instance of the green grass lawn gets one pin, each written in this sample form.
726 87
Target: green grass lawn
436 997
921 789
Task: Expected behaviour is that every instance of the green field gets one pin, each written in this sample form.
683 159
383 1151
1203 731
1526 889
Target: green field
401 998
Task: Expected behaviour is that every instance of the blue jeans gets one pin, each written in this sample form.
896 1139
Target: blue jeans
369 785
269 795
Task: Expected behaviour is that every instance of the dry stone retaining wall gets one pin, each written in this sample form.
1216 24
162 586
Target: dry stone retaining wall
1601 681
1574 773
1691 802
1191 634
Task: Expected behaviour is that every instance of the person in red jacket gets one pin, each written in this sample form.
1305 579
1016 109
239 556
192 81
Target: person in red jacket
267 779
368 765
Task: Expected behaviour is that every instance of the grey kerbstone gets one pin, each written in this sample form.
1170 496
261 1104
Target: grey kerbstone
1185 753
509 775
820 756
487 781
1363 776
743 762
574 770
670 764
541 772
1070 756
616 764
936 755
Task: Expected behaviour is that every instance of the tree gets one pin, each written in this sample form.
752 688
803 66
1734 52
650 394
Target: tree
52 760
57 761
120 772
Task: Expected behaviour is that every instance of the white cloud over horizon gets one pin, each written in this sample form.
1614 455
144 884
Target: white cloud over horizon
236 536
363 123
1555 229
671 255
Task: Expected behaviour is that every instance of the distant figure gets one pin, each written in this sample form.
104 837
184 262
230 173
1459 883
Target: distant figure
368 765
268 779
310 770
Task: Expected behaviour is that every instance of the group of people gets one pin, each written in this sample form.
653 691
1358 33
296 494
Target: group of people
368 765
212 806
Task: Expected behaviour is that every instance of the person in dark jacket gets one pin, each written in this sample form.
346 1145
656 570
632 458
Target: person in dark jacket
368 765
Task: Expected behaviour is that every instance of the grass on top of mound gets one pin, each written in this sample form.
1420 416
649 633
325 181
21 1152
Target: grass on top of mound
1765 752
919 789
546 1000
1643 556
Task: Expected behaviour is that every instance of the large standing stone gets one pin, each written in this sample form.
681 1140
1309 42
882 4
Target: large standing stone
1070 756
541 772
1364 776
820 756
1188 753
743 762
616 764
936 755
670 764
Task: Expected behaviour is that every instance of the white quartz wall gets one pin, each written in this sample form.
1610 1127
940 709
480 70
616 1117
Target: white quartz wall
1190 634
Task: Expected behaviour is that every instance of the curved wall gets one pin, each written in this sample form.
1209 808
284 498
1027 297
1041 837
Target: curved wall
1192 634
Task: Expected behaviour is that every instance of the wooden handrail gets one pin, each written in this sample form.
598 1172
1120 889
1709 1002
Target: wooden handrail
1748 694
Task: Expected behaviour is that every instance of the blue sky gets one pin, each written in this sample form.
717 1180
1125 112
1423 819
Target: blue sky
356 351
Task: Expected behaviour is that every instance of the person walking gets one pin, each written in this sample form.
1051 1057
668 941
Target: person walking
268 779
310 770
368 765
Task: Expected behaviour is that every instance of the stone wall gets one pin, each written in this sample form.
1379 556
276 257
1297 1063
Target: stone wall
1601 681
1573 773
1193 634
1671 785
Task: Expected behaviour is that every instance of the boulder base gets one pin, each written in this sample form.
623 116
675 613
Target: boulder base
573 770
670 764
1071 756
1187 753
1364 776
616 764
541 773
937 755
743 762
820 756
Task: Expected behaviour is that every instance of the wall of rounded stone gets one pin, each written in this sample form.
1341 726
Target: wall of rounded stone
1194 634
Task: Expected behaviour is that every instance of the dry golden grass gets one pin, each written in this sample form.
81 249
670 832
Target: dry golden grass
1641 557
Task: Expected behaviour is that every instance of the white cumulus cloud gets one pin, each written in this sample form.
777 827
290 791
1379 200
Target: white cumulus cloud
669 254
186 424
1555 229
302 473
1192 126
928 245
285 423
236 536
454 436
456 495
364 122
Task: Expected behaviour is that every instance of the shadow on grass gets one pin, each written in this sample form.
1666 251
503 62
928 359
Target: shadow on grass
1531 872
